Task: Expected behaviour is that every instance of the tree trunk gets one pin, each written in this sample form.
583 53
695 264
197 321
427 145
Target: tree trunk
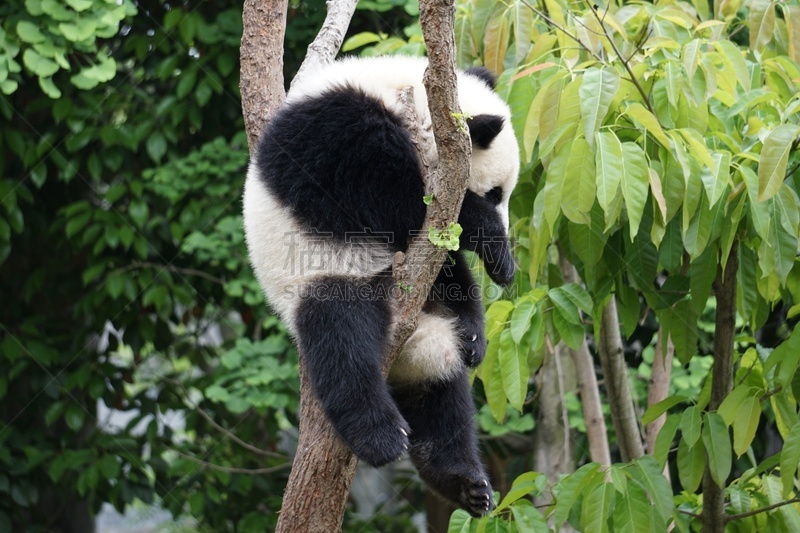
721 380
658 389
615 375
322 471
596 432
324 467
553 448
261 63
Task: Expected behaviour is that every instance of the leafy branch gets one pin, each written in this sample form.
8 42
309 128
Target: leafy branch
626 63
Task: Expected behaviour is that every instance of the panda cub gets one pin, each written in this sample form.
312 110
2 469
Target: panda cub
333 190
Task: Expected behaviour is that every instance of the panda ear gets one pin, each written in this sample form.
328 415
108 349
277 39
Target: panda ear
484 128
485 75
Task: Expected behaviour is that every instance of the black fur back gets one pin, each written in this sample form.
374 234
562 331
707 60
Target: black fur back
342 162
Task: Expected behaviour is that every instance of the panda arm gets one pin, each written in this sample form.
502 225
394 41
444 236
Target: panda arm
456 289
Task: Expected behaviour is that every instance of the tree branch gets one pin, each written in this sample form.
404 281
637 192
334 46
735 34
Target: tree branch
625 63
615 374
330 37
324 464
761 510
714 518
261 63
596 432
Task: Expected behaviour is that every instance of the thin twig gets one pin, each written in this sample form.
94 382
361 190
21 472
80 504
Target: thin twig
220 428
761 510
233 469
173 268
625 63
562 30
689 513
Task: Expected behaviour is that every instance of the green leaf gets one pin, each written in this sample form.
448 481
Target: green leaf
635 184
493 381
524 310
54 412
496 317
597 508
665 438
790 459
360 39
29 32
496 41
691 422
691 464
74 417
79 5
733 58
761 24
571 488
156 146
596 92
745 424
579 185
525 484
759 211
733 401
38 64
460 522
139 212
609 171
718 448
528 519
648 121
632 511
657 409
513 370
49 88
647 472
774 156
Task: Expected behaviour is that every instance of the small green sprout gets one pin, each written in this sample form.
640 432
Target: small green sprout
462 119
448 238
428 199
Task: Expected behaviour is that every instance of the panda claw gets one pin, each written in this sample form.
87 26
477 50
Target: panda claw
473 340
405 434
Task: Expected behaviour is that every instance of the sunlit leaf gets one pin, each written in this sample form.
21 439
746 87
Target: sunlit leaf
596 92
609 170
718 448
774 156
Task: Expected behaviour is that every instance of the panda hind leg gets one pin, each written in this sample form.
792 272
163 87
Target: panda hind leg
444 444
341 340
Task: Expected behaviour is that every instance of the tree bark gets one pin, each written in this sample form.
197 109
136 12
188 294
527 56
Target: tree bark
713 514
553 440
261 63
330 37
596 432
323 468
615 375
658 389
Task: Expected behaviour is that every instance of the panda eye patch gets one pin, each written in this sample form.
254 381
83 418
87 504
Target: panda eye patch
495 195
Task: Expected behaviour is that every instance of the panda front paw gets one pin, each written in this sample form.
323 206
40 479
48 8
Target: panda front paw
473 342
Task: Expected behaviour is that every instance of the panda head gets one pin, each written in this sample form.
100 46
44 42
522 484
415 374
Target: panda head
493 175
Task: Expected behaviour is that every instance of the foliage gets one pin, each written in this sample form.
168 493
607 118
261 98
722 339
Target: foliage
655 146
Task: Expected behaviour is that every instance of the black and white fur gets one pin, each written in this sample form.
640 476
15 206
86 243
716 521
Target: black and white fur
334 189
